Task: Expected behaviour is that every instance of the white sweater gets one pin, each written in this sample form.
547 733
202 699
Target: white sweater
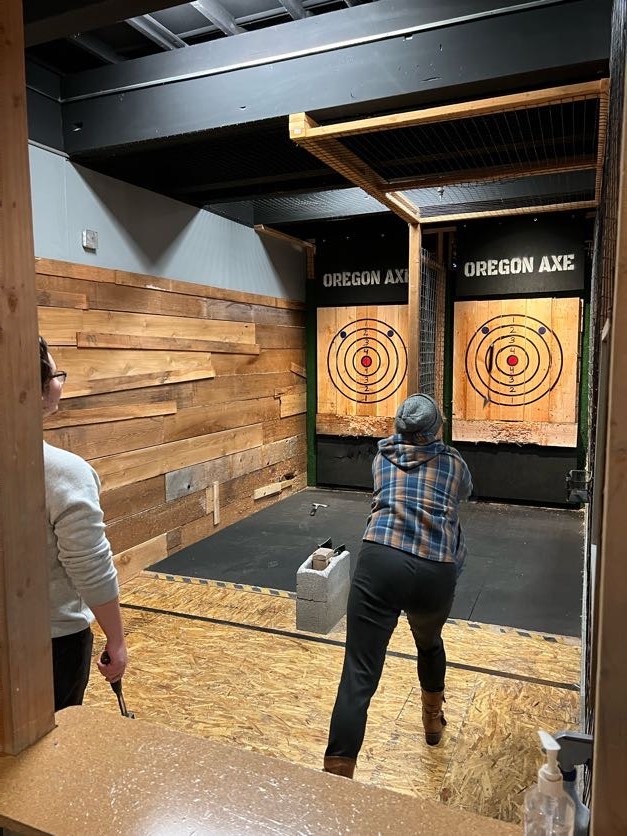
80 562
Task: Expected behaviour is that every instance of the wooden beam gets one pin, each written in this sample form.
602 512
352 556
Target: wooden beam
494 174
334 154
261 229
26 699
500 213
460 110
609 801
413 342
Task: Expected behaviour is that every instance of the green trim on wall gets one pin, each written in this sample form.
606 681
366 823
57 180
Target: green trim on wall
447 396
312 380
584 428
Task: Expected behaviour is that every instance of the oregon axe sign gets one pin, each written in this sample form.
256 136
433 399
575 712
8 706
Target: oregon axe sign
536 254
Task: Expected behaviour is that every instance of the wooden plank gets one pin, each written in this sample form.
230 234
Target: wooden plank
105 371
95 440
130 531
273 488
205 291
120 322
282 450
104 414
284 428
285 473
59 299
95 340
199 420
293 404
126 468
131 562
354 425
200 476
301 371
26 700
114 297
205 392
270 360
609 802
59 325
52 267
216 503
296 389
459 110
280 336
278 316
134 498
508 432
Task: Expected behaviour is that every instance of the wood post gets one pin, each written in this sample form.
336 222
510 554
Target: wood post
609 802
413 339
26 701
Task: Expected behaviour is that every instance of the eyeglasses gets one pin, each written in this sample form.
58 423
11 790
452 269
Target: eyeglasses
61 375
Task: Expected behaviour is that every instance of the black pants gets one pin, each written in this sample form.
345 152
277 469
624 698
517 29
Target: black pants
387 581
71 662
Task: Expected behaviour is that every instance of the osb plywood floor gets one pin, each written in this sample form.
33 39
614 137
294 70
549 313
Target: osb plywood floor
229 664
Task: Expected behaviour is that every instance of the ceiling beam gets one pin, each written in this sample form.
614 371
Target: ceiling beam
218 15
295 9
96 47
47 20
156 32
213 85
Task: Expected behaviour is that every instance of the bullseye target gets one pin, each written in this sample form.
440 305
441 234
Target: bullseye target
513 360
367 360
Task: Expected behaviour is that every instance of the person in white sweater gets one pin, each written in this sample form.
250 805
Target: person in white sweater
83 578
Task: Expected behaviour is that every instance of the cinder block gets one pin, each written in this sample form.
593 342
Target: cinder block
321 595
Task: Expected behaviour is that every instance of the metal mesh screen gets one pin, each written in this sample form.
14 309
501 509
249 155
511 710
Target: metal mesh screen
512 140
431 326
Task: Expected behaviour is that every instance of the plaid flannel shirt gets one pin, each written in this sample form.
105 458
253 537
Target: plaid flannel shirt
417 491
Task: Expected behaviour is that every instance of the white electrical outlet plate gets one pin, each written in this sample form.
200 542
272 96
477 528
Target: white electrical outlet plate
90 240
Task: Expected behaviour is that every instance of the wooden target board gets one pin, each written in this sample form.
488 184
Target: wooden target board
515 371
362 368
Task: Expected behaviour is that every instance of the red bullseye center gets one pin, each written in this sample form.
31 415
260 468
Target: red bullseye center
366 361
512 360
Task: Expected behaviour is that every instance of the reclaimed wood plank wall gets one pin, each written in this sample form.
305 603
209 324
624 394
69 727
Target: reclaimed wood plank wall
189 401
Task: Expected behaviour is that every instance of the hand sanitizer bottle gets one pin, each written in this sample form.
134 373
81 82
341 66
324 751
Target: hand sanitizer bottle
548 811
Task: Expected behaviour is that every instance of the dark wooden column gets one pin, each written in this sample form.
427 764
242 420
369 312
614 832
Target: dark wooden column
609 773
26 701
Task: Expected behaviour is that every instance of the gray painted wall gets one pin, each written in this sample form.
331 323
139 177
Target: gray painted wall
143 232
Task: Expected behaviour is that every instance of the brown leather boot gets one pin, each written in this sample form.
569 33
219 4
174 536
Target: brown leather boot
338 765
433 716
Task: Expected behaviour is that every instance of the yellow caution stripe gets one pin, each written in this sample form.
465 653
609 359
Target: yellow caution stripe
243 587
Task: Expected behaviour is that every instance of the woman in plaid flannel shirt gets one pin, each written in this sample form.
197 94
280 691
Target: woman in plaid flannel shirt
412 553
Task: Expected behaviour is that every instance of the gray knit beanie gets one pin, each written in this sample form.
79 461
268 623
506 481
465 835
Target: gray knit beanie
418 414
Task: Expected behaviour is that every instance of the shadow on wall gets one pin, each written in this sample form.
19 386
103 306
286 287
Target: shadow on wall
130 221
286 260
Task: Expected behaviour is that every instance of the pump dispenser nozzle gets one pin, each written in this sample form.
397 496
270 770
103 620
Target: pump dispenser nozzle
549 774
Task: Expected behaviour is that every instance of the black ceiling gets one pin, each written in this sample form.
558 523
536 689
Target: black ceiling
138 99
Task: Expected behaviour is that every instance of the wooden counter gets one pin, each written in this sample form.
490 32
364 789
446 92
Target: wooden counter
98 773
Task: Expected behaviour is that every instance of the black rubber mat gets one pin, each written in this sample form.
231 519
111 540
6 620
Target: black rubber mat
524 566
